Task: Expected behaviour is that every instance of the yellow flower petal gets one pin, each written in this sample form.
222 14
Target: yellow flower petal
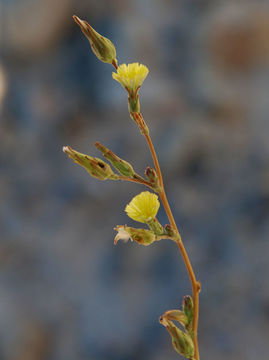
143 207
131 76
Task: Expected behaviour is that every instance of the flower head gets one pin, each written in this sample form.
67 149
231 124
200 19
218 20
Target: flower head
143 207
131 76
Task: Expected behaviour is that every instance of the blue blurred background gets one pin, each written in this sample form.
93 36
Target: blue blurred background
66 292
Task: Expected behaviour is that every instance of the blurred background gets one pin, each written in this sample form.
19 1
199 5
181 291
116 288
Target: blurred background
67 293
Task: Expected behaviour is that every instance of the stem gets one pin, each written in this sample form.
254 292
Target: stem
138 180
194 283
114 63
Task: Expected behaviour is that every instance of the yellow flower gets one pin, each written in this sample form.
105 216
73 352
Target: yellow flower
131 76
143 207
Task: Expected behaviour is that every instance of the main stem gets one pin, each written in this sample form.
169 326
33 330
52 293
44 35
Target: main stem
194 283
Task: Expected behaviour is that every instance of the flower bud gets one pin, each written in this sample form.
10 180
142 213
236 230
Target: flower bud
152 177
142 236
95 167
187 306
102 47
121 165
181 341
168 230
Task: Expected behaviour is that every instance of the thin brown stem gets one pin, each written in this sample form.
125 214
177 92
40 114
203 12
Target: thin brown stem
194 283
136 180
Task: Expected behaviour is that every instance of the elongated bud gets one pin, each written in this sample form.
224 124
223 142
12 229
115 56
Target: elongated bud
102 47
95 167
121 165
187 306
152 177
156 227
181 341
142 236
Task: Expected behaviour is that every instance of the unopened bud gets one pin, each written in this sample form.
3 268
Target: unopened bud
181 341
121 165
170 231
152 177
102 47
95 167
142 236
187 306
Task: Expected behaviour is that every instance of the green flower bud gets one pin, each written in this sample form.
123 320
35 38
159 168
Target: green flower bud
187 306
142 236
181 341
95 167
121 165
102 47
